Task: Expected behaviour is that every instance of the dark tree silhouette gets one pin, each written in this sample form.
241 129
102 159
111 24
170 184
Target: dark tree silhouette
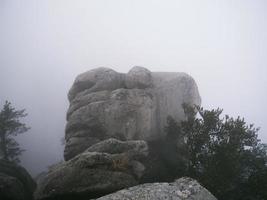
223 153
10 126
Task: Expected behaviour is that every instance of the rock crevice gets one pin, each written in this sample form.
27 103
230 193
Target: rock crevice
134 106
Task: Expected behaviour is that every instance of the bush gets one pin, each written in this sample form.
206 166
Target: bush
222 153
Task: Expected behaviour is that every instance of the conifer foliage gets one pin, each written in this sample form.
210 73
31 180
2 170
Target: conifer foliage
10 126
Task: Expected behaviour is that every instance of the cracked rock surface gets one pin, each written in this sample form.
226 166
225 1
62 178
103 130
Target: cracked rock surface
103 168
134 106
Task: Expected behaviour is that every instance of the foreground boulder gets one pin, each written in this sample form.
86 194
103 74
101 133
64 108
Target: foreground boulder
181 189
106 167
15 182
134 106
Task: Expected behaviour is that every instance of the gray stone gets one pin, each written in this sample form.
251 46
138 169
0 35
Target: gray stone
114 146
125 115
105 167
77 145
11 188
181 189
172 89
15 182
134 106
96 80
138 77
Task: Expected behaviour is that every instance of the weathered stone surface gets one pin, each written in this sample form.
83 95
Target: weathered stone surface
105 104
77 145
114 146
125 114
96 80
11 188
138 77
15 182
172 89
181 189
103 168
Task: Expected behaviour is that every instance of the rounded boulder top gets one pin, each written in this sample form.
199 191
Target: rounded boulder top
133 106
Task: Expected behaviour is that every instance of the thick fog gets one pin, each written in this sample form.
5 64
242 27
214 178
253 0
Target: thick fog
45 44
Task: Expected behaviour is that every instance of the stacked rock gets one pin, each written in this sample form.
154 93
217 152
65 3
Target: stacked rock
110 119
134 106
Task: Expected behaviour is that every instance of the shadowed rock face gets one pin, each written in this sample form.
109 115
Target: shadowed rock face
181 189
15 182
103 168
132 106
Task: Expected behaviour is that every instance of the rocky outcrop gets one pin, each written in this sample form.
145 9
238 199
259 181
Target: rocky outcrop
181 189
103 168
110 122
134 106
15 182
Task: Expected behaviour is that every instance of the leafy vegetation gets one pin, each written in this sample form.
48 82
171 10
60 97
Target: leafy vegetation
222 153
10 126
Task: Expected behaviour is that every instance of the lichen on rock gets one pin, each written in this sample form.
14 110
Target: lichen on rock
181 189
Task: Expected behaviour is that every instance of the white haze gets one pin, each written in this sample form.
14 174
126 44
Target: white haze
45 44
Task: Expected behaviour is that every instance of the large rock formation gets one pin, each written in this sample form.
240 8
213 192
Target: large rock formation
103 168
15 182
132 106
181 189
111 120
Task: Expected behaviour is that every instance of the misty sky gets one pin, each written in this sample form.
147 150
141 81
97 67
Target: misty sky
45 44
